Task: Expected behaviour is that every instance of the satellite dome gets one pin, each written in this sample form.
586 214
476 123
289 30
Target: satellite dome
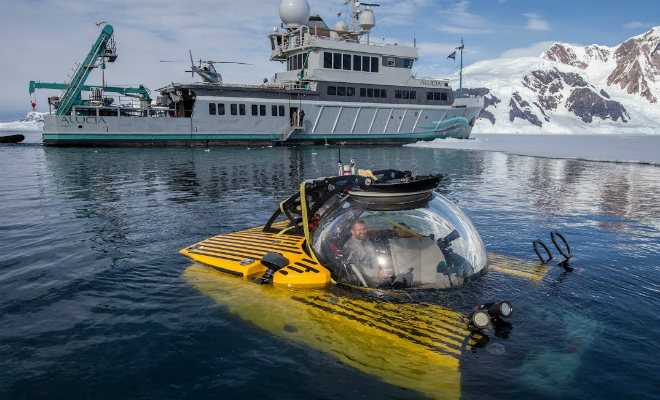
294 13
341 26
367 19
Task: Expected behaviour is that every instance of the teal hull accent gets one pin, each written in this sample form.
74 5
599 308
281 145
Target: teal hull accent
440 124
457 130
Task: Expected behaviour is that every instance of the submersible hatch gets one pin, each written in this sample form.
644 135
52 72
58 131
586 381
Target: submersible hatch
374 229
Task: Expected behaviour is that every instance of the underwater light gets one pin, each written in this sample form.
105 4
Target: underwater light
479 319
503 309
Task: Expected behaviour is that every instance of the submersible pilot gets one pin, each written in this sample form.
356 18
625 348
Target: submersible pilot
361 252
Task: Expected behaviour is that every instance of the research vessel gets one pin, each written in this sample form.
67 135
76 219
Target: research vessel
338 87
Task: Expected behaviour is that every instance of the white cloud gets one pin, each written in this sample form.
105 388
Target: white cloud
637 25
534 22
469 23
533 50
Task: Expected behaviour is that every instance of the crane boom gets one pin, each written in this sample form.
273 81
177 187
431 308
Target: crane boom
71 95
141 91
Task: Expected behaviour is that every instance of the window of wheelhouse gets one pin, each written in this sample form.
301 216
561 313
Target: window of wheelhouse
234 109
221 109
327 60
336 63
241 109
273 111
365 64
357 63
281 111
211 108
346 63
255 109
262 110
374 64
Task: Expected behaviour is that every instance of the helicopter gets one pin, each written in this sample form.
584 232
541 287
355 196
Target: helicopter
207 72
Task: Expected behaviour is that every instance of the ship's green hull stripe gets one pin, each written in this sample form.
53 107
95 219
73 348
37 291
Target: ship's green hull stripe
461 120
238 137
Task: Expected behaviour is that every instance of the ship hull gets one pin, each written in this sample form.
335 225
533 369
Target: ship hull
324 123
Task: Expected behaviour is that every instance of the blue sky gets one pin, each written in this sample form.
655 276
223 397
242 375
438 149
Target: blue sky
43 39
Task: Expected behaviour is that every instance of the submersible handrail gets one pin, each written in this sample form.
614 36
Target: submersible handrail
553 235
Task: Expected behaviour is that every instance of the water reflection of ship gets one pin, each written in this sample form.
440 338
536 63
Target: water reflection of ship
576 187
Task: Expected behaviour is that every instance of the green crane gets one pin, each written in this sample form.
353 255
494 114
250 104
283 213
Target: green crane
103 48
141 92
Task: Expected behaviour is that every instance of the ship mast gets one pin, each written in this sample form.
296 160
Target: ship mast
354 15
460 74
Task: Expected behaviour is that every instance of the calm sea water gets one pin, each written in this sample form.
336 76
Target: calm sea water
93 306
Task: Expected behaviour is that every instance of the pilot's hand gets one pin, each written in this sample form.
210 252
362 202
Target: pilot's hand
385 273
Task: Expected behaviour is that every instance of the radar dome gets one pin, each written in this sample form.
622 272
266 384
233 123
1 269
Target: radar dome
294 13
341 26
367 19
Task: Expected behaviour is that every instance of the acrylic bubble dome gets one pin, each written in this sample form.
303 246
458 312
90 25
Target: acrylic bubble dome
371 240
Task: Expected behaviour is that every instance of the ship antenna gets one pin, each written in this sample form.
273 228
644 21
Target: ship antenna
414 24
460 74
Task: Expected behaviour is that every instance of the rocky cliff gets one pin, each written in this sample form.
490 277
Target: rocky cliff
572 89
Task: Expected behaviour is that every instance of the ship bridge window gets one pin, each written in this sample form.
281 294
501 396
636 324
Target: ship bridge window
413 95
350 91
327 60
374 64
390 62
221 109
281 111
255 109
241 109
383 93
370 93
408 63
332 90
273 111
363 92
262 110
365 64
357 63
336 61
341 91
346 62
234 109
211 108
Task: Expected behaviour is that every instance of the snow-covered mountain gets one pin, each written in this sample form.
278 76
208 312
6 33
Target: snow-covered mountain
572 89
32 121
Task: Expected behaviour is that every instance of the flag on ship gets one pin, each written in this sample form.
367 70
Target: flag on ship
452 56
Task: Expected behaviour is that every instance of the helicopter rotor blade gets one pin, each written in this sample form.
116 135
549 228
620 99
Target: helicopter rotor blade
226 62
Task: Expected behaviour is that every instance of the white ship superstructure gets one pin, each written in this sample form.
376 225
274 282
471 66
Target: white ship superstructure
337 87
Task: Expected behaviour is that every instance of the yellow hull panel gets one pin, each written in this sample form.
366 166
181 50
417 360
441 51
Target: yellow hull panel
415 346
239 254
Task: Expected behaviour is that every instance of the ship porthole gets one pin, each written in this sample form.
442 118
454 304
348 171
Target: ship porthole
80 126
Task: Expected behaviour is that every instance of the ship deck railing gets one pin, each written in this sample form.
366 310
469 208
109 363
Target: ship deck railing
123 111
